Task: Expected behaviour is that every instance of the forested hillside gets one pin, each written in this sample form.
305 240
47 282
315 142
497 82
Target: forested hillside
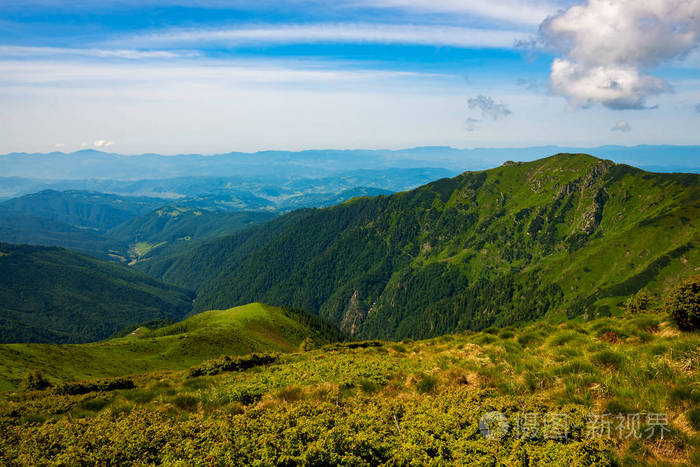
55 295
562 236
86 209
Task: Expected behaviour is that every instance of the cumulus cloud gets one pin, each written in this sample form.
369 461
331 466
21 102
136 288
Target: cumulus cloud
101 143
608 48
622 126
488 107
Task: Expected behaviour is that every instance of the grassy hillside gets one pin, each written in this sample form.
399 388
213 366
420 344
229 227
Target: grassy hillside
569 235
56 295
175 226
238 331
85 209
408 403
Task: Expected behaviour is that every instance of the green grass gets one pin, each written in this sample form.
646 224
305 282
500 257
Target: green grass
369 403
141 249
237 331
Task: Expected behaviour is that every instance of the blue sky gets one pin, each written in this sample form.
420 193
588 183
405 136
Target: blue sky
210 76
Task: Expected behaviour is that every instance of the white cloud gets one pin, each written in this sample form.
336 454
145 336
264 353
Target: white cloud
23 51
335 33
101 143
58 145
513 11
622 126
609 47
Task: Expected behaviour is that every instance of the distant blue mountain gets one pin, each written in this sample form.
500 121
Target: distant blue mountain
92 164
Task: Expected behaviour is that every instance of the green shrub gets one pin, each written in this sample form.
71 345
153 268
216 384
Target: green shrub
228 363
638 303
35 381
248 393
426 384
307 344
95 405
84 387
683 303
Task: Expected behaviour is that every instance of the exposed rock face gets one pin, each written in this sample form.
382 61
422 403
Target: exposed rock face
353 315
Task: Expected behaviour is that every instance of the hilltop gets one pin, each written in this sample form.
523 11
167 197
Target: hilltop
238 331
564 236
56 295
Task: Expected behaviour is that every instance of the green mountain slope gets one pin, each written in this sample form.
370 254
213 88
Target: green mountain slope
242 330
174 226
561 236
85 209
55 295
21 228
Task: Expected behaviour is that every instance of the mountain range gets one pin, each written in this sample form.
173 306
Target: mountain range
569 235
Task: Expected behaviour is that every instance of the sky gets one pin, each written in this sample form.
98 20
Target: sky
213 76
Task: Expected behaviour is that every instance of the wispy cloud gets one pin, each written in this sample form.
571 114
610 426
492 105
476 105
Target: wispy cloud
513 11
131 54
488 107
333 33
621 126
89 76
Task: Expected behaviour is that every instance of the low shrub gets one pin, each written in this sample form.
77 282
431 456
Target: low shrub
307 345
638 303
228 363
84 387
35 381
248 393
426 384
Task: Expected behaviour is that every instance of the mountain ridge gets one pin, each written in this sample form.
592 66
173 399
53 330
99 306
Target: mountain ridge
510 244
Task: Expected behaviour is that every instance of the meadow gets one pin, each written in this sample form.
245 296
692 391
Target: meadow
610 391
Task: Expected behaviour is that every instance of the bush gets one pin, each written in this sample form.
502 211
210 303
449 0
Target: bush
35 381
638 303
683 303
84 387
248 393
427 384
307 345
228 363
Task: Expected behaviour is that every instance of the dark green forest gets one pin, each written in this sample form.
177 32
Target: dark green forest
58 296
